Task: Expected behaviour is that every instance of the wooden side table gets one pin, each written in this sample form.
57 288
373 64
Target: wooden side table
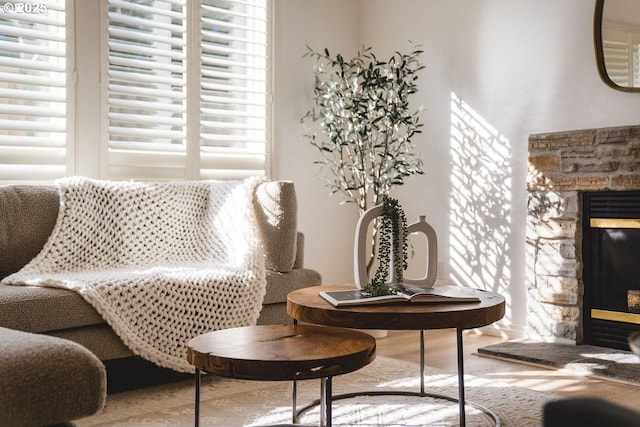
281 353
306 305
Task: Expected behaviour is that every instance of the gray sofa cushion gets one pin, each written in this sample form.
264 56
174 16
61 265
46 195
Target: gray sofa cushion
27 216
279 285
44 309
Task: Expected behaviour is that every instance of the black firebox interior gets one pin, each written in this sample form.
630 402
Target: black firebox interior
611 267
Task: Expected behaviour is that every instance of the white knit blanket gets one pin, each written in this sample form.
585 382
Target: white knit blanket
161 262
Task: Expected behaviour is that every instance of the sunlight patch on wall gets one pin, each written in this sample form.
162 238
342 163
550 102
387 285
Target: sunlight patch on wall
480 200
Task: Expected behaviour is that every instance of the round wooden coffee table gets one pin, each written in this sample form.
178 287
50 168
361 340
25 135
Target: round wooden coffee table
281 353
306 305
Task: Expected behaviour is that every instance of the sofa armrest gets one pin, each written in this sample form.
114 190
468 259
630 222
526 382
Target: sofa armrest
276 210
299 261
47 380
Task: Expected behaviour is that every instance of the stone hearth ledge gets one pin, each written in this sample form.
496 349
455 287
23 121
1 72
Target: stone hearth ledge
608 363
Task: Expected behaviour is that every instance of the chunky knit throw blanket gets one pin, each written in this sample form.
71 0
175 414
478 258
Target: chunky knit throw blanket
161 262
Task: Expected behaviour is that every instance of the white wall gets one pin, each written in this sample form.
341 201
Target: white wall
512 67
328 227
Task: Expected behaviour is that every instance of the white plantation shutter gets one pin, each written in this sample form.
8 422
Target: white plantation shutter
33 81
233 87
187 88
147 89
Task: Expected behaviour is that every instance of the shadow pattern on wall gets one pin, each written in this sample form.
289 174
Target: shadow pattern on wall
480 202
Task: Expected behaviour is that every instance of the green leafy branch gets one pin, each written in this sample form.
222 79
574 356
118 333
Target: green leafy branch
362 106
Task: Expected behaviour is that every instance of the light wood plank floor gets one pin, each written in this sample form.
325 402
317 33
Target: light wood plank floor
441 353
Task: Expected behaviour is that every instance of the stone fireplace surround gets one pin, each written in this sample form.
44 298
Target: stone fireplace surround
562 166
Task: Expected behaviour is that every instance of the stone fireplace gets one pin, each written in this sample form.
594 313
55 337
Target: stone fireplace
562 167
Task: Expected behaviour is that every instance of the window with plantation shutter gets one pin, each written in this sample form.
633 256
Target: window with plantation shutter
33 82
187 88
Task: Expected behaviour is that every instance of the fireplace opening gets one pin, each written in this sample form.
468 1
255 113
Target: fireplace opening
611 267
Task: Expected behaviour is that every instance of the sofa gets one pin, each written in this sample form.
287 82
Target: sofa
47 381
27 217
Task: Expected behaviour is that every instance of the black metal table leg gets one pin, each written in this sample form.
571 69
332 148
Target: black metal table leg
196 422
294 402
325 402
463 420
422 361
294 395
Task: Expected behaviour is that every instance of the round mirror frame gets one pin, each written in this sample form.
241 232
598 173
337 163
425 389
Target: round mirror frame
597 39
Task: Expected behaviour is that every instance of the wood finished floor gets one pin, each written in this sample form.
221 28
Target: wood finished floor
441 353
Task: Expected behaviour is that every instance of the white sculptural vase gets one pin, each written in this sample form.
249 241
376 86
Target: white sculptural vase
360 249
429 278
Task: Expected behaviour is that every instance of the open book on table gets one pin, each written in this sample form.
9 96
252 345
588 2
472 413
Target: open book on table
403 293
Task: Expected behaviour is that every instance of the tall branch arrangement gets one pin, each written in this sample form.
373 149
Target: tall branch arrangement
362 106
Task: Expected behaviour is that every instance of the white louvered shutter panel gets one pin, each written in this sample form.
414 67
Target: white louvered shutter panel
233 88
187 88
33 95
147 89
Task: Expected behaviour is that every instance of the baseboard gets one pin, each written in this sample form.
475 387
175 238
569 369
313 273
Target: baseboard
503 329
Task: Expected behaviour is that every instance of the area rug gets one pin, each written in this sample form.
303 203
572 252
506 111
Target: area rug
230 403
